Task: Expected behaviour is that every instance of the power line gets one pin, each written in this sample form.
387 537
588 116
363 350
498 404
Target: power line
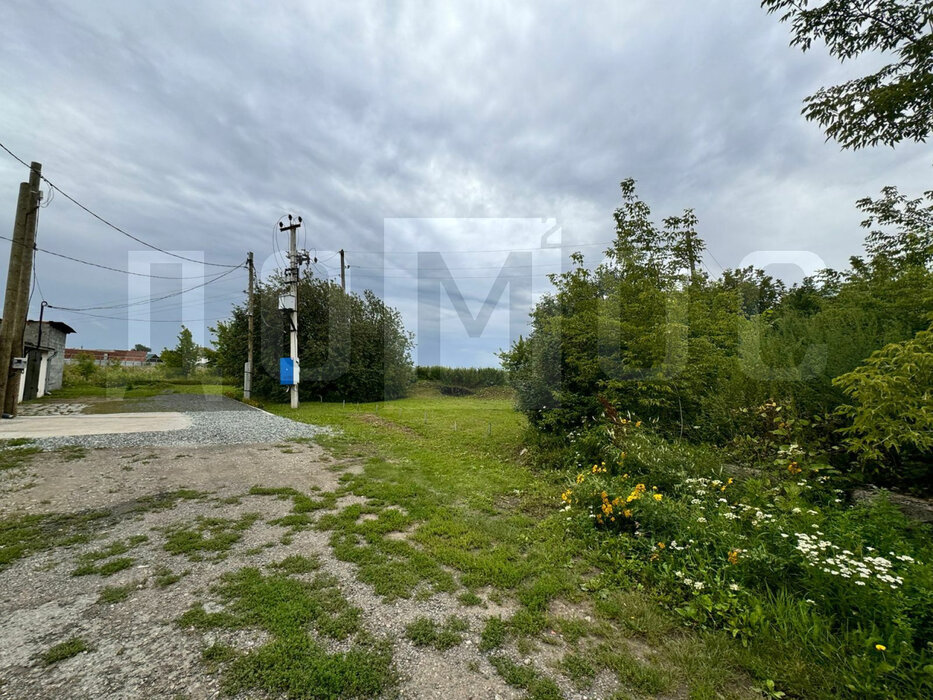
148 320
105 267
147 300
470 252
108 223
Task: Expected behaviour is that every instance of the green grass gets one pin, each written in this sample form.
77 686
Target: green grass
71 453
21 536
297 564
537 687
88 562
426 632
495 632
165 577
116 594
448 472
65 650
17 452
292 663
207 536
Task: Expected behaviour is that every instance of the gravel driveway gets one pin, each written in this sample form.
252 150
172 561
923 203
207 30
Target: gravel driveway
215 420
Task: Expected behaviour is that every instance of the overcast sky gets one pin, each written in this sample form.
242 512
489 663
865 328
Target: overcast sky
406 127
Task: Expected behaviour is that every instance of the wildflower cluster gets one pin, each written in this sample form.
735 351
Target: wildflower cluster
831 559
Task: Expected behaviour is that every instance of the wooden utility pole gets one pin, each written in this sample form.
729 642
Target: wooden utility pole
291 277
343 272
25 277
10 299
248 375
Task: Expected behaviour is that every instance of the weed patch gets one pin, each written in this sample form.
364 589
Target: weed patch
293 663
116 594
296 564
88 562
65 650
207 535
165 577
71 453
27 534
426 632
16 455
537 686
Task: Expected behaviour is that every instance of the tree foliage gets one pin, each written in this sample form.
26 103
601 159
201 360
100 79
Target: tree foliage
891 412
697 357
893 104
351 347
184 358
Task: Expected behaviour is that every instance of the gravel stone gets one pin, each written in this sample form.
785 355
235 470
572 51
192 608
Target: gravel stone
236 427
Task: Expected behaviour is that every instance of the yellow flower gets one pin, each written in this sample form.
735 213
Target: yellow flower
734 556
627 513
658 497
660 545
881 647
580 477
638 424
793 468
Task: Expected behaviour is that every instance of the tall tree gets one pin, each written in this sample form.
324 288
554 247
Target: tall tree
891 105
186 354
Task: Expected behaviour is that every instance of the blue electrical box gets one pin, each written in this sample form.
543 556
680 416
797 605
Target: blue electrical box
287 373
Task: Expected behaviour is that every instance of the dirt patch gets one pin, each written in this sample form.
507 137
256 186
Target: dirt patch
135 646
373 419
108 477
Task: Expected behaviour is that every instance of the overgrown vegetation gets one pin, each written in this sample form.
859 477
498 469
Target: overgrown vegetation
353 347
716 430
696 358
293 663
207 536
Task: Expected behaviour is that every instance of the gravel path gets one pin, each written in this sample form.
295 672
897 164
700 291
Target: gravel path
215 420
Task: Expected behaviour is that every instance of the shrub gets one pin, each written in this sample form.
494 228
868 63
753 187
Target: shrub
892 395
352 347
774 552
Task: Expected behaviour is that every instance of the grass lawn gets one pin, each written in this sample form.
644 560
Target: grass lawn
449 471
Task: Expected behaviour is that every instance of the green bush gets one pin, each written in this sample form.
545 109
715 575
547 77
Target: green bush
697 358
892 404
466 377
351 347
774 552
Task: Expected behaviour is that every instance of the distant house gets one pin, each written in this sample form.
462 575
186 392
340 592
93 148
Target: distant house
126 358
45 352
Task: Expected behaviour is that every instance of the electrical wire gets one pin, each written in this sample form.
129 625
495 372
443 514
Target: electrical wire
149 320
105 221
147 300
103 267
471 252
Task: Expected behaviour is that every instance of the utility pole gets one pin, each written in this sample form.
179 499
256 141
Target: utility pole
343 272
25 275
10 299
291 277
248 374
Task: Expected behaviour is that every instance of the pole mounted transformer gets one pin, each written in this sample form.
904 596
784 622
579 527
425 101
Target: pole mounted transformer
289 371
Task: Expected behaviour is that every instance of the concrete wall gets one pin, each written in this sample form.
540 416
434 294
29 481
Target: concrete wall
53 339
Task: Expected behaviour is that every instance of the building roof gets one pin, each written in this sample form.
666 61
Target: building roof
57 325
121 355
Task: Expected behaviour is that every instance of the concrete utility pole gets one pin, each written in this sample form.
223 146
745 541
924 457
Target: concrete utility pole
343 272
291 277
25 276
248 374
